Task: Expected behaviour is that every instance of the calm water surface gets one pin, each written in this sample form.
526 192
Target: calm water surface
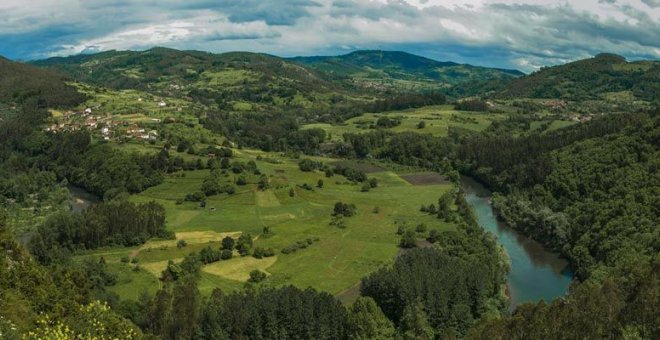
536 274
81 199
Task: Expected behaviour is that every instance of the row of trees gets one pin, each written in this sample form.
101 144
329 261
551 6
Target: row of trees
116 222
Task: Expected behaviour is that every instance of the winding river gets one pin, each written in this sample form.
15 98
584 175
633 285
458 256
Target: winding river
536 274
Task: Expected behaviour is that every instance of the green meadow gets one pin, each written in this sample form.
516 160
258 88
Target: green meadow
437 120
334 262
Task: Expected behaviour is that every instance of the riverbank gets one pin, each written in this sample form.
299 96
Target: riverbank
535 274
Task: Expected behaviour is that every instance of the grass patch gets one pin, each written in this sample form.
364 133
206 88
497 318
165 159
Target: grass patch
425 178
239 268
334 264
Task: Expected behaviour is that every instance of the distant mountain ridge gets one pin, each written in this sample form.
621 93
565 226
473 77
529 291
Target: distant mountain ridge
402 66
369 69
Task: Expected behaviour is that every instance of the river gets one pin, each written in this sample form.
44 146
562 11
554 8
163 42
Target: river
536 274
81 199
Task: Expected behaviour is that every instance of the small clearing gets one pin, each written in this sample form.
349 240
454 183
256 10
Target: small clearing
239 268
425 178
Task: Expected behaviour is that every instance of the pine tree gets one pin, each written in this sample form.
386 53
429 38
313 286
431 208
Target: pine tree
367 321
414 324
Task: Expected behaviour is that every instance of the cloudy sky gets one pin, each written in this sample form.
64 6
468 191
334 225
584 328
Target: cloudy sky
522 34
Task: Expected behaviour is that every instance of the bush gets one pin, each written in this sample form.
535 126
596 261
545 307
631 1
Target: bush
387 122
181 243
365 187
434 236
125 259
227 243
257 276
309 165
241 180
421 228
351 174
297 245
209 255
226 254
196 196
408 240
135 260
344 209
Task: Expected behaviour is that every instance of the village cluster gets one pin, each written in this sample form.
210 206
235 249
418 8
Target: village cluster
105 125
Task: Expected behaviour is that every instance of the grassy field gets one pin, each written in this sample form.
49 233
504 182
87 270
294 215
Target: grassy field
437 119
334 263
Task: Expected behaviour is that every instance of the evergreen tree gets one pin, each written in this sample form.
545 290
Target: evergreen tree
414 324
366 321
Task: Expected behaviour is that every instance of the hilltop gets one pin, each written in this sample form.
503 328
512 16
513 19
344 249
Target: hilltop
594 78
388 68
20 82
301 79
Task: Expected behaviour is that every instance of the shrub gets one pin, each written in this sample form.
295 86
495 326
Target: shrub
408 240
241 180
196 196
344 209
257 276
227 243
309 165
181 243
226 254
434 236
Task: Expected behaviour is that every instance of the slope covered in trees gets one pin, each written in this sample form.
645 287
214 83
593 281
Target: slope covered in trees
598 203
403 66
20 83
590 79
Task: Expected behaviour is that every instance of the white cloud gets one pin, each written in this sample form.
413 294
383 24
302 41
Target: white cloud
524 33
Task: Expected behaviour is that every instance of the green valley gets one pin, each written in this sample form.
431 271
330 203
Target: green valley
167 194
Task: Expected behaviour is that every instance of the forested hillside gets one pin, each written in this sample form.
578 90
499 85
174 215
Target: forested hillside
21 82
592 78
385 68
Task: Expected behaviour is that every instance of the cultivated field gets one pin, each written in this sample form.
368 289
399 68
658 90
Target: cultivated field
333 263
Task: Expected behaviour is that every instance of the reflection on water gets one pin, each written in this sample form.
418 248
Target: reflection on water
81 199
536 274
